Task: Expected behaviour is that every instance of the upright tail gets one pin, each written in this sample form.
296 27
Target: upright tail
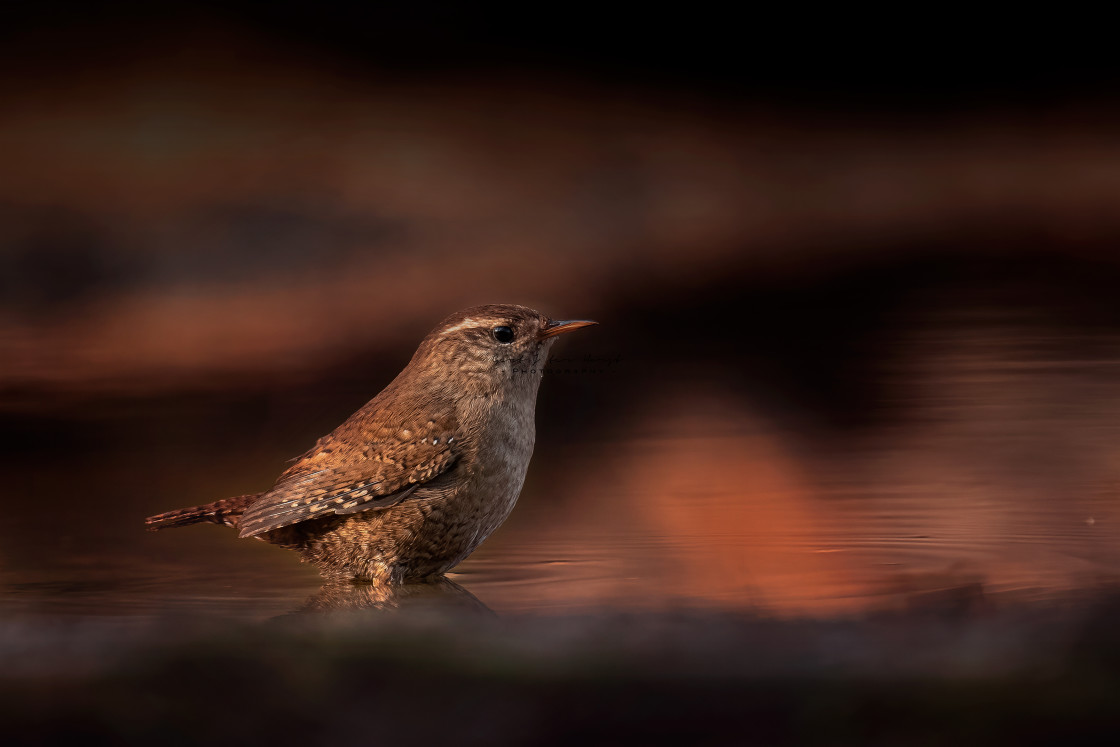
227 511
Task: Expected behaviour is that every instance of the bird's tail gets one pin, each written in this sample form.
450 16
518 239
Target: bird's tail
227 511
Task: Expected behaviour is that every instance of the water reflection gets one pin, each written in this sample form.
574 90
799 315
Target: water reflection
441 594
995 483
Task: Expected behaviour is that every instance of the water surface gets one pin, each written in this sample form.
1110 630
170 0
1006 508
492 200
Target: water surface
996 486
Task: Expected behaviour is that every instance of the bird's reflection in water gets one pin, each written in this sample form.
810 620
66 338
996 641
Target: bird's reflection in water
436 595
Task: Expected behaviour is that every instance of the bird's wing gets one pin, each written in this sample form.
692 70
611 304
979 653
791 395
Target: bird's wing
333 478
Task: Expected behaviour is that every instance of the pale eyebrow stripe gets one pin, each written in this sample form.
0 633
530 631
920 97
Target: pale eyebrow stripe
462 325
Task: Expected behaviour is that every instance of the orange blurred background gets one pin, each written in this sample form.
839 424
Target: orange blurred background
859 331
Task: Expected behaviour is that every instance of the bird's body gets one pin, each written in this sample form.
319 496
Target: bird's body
416 479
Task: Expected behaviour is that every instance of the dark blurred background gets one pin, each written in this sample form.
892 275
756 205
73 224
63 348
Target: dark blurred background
875 253
856 276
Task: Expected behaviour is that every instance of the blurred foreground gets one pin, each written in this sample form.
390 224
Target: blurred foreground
1033 676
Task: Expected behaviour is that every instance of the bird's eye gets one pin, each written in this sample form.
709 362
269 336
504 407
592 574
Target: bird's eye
503 335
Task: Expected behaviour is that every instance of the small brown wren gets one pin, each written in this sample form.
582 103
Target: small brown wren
416 479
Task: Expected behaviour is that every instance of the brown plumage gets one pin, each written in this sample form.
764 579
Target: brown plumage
416 479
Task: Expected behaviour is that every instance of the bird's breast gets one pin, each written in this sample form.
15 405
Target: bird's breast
494 472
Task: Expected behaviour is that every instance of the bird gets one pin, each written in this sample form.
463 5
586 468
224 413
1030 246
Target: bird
414 481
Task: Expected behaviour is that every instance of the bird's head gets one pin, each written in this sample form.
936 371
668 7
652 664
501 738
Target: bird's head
490 346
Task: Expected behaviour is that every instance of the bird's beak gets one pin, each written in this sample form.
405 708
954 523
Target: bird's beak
554 328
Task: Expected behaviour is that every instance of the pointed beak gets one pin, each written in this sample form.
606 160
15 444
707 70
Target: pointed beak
554 328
